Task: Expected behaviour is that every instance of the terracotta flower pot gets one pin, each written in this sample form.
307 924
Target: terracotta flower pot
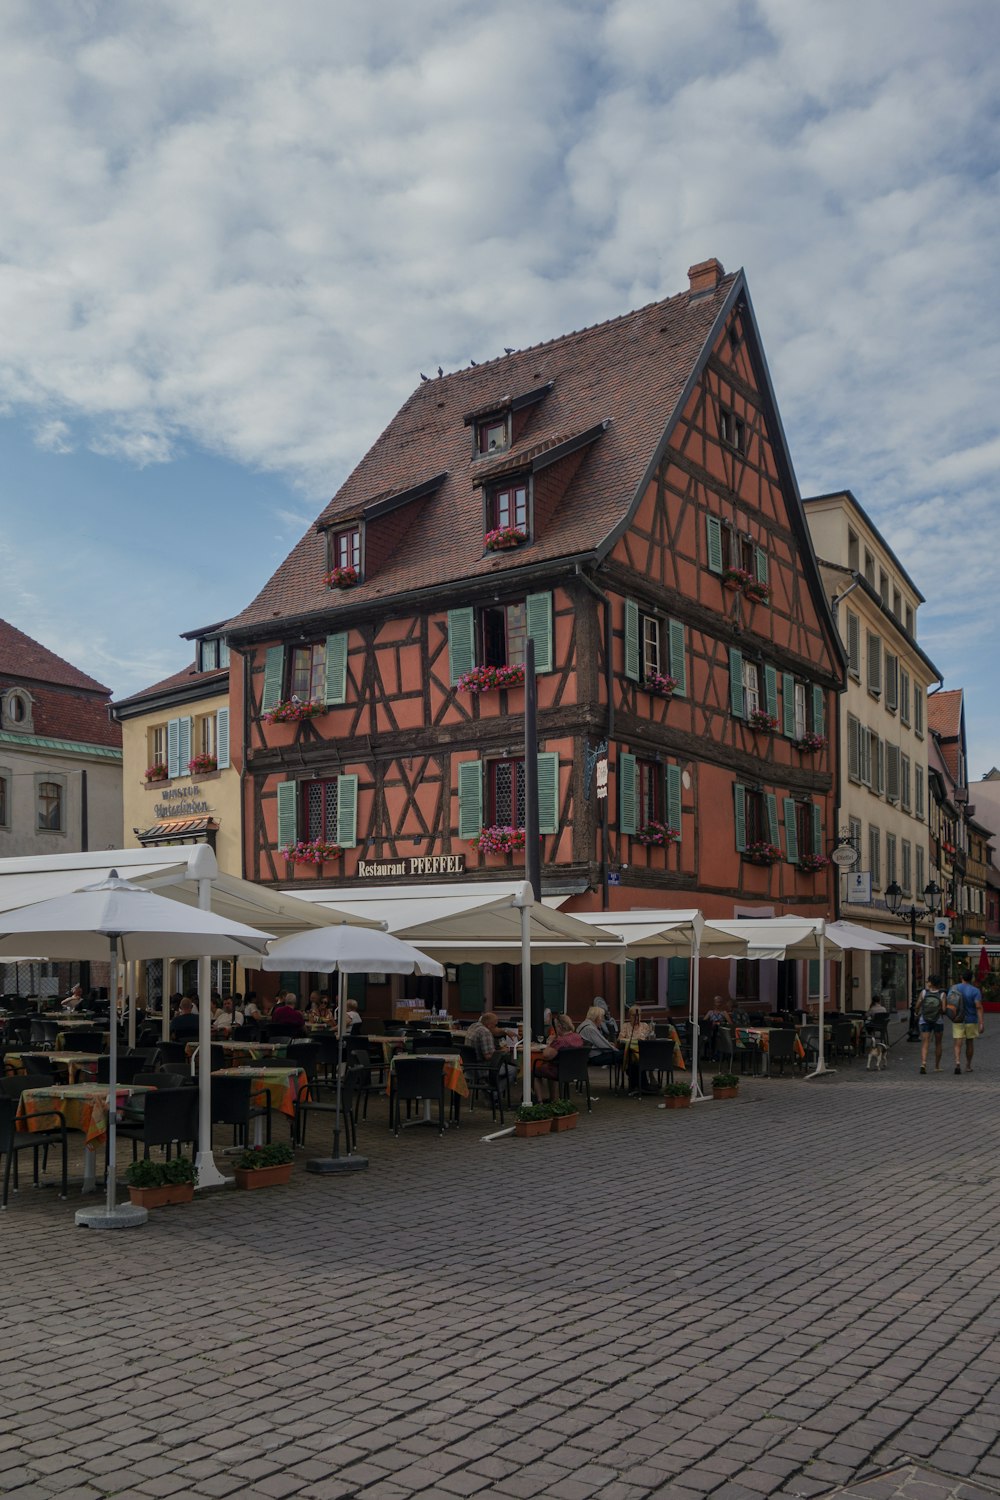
262 1177
725 1093
565 1122
158 1197
677 1101
532 1127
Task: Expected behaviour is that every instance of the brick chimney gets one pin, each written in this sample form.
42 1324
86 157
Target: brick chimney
704 277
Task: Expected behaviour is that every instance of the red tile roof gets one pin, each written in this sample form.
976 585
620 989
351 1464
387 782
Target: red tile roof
944 713
72 716
630 372
187 677
22 657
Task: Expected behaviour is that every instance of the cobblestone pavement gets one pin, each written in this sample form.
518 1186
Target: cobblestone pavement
780 1295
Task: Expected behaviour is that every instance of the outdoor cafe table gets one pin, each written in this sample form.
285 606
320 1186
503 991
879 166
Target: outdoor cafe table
84 1106
278 1086
238 1053
454 1079
75 1063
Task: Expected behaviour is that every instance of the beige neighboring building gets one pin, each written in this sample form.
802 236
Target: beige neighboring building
884 738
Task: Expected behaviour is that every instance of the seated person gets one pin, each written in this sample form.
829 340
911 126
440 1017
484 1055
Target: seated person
877 1007
352 1015
543 1066
184 1026
634 1031
319 1012
483 1037
608 1025
74 1000
226 1017
286 1013
602 1051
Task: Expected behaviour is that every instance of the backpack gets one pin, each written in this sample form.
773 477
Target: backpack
955 1005
931 1005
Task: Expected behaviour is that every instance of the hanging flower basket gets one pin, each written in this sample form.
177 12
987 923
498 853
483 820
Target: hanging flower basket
341 578
156 773
762 853
758 591
736 578
503 538
659 684
657 835
311 852
810 744
499 840
487 679
200 765
810 863
293 712
762 722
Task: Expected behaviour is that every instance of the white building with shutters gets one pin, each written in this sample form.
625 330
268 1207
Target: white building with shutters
181 774
883 796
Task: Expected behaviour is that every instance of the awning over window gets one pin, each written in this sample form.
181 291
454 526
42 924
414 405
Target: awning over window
179 831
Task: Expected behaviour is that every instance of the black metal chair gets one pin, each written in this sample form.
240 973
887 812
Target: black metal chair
125 1068
417 1078
37 1036
88 1041
352 1081
164 1081
373 1081
13 1141
39 1064
232 1105
842 1040
426 1043
248 1032
169 1116
572 1066
780 1049
172 1052
657 1057
486 1076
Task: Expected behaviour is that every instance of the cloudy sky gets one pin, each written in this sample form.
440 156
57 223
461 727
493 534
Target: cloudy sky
233 233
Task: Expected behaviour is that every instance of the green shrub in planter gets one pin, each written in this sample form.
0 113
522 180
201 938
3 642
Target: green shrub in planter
179 1170
146 1173
677 1091
536 1112
561 1107
726 1081
254 1158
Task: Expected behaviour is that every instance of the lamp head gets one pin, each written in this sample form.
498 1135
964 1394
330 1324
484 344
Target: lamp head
932 897
894 897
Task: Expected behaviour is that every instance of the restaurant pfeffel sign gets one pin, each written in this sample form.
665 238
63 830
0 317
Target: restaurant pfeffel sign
402 869
181 802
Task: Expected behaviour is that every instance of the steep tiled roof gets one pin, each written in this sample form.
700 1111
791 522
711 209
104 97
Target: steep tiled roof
20 656
630 373
71 716
187 677
944 713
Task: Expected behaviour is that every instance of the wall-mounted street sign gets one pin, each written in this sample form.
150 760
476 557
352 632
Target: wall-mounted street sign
844 856
602 778
402 869
942 927
859 886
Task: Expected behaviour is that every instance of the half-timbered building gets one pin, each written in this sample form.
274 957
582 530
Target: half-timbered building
622 496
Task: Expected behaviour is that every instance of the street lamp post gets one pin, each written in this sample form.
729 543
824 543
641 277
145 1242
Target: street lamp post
894 901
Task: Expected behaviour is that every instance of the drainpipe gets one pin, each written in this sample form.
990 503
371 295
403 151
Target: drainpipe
834 601
609 679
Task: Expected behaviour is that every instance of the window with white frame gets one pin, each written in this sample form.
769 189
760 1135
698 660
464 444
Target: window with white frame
650 627
51 805
801 725
751 687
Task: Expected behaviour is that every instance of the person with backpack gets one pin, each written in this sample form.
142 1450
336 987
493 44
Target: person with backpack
930 1013
964 1006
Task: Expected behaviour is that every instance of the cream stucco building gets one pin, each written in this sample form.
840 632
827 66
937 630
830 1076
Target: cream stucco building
883 736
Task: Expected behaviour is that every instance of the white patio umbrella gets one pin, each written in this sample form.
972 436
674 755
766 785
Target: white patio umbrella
118 921
345 950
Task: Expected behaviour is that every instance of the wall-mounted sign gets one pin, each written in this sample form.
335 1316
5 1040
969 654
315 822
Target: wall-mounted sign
614 878
942 927
181 802
844 855
859 885
602 778
404 869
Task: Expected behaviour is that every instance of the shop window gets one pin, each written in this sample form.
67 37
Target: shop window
307 672
507 793
50 806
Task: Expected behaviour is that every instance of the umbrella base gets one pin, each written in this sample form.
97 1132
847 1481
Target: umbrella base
124 1216
329 1166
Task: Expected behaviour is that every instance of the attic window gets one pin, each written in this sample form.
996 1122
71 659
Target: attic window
507 505
493 433
732 430
345 548
213 653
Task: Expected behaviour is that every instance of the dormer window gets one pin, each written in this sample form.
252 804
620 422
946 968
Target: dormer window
508 505
213 653
493 433
345 548
17 713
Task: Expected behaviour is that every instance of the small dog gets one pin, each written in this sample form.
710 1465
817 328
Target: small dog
878 1055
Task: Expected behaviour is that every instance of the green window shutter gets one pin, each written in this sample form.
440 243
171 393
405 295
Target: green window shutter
632 640
740 814
771 803
274 671
461 642
222 738
538 609
554 988
470 798
817 814
760 564
819 711
771 691
678 656
626 792
713 532
336 668
736 682
791 832
854 643
184 728
347 811
678 981
629 982
674 816
173 740
357 989
788 705
288 803
471 987
814 976
548 792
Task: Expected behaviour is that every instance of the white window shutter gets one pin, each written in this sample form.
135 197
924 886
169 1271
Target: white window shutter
173 744
222 738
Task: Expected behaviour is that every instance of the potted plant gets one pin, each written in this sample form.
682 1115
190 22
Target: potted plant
341 578
659 684
152 1184
810 743
762 722
502 538
499 839
293 711
757 590
564 1114
762 853
488 679
311 852
157 772
264 1166
200 765
656 835
810 863
533 1119
725 1086
676 1096
736 578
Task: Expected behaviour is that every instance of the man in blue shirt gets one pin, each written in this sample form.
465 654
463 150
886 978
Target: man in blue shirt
965 1005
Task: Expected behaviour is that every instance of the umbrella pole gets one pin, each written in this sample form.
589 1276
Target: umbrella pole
821 1066
327 1166
208 1173
697 1092
496 1135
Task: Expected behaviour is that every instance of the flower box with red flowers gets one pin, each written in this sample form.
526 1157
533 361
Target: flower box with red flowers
341 578
810 744
659 684
489 679
757 590
762 722
156 773
200 765
810 863
293 712
736 578
499 840
503 538
656 835
762 853
311 852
